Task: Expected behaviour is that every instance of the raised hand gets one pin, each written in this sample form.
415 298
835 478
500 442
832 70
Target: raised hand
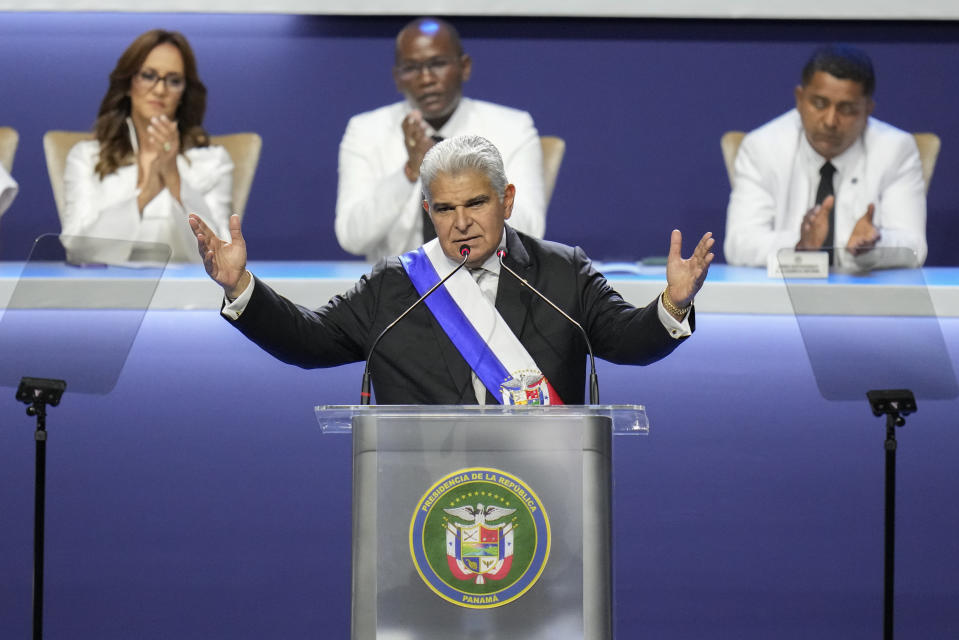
684 278
225 262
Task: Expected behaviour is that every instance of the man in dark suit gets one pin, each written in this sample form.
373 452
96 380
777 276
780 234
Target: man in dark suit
469 200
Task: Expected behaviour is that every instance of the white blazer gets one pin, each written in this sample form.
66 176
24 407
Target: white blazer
771 191
8 190
108 208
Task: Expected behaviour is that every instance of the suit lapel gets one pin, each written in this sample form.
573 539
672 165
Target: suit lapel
852 205
456 367
791 178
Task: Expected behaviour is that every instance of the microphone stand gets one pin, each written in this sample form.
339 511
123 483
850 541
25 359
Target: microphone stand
593 379
365 387
895 404
38 393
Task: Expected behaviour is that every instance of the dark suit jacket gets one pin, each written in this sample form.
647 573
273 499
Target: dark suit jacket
416 363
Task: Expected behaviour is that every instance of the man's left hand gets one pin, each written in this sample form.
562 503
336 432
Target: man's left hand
684 278
865 234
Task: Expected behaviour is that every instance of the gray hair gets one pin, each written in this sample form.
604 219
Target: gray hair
459 154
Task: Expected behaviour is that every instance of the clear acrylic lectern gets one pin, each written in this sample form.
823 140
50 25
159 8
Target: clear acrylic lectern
482 522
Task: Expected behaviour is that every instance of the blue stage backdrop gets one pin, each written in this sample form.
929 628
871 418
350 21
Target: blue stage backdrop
641 104
199 499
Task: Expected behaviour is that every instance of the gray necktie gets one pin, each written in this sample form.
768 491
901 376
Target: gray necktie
486 281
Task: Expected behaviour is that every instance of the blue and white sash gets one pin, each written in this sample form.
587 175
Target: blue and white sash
477 330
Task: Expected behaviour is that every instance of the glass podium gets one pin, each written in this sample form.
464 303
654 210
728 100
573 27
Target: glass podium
482 522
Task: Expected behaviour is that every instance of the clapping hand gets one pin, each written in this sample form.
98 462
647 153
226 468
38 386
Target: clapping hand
157 160
865 234
417 143
163 140
815 225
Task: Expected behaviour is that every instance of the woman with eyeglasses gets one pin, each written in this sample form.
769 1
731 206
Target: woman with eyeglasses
151 163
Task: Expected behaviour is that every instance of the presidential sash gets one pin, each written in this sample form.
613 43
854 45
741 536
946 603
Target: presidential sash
478 331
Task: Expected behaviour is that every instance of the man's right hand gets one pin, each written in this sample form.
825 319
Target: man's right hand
815 225
417 143
225 262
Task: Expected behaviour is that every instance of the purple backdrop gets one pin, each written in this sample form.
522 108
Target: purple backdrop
199 500
641 104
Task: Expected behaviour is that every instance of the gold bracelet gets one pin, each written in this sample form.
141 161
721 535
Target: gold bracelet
673 309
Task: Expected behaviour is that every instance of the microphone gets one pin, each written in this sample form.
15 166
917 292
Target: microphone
593 380
365 388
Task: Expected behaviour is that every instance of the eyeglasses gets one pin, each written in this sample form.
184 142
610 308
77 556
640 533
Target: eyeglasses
146 79
436 66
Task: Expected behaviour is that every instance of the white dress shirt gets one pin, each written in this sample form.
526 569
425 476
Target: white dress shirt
811 163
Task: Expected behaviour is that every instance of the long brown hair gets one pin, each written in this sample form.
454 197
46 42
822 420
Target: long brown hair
111 129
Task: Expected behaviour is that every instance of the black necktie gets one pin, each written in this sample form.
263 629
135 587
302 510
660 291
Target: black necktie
825 190
428 231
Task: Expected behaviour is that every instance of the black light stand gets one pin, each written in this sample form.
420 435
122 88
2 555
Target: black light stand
38 393
894 404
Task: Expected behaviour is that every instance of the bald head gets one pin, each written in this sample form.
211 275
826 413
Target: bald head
430 68
428 28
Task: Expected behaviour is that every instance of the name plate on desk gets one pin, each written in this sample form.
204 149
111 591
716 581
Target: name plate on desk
798 264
